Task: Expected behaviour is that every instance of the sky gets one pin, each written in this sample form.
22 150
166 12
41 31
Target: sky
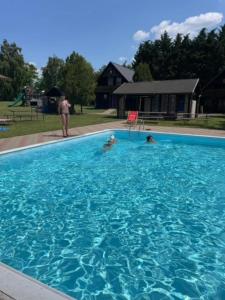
100 30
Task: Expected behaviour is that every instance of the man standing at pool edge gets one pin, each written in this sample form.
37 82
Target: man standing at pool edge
63 110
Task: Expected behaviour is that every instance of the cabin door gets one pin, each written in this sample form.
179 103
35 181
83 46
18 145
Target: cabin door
172 104
181 104
155 103
147 104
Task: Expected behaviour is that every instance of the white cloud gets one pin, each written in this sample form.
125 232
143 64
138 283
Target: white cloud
190 26
39 72
32 63
122 59
141 35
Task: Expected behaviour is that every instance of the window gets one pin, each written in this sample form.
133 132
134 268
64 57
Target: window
155 103
172 103
110 81
164 103
118 80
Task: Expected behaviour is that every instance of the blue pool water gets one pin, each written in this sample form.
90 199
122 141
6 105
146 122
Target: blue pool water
142 221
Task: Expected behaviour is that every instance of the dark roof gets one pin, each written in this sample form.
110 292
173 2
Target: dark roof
54 92
178 86
125 72
4 77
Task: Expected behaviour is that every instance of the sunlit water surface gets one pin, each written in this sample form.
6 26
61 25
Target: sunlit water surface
141 221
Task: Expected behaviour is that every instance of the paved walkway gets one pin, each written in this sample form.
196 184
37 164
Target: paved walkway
37 138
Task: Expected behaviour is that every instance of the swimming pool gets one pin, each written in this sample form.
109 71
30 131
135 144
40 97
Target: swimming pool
141 221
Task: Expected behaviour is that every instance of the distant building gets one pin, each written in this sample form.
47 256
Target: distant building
111 78
213 95
165 97
2 77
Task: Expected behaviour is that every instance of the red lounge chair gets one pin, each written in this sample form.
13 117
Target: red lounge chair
132 118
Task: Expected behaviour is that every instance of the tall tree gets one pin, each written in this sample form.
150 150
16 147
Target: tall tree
12 65
52 73
99 72
31 74
142 73
221 38
79 81
202 56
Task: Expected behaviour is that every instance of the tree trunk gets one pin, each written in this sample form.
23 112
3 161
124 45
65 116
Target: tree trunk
81 108
72 109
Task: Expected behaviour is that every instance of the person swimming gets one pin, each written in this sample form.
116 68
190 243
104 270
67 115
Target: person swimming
112 139
150 140
108 145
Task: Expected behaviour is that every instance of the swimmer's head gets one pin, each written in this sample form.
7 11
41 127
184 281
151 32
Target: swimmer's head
149 138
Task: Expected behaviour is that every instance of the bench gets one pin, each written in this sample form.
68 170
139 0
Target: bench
5 121
151 116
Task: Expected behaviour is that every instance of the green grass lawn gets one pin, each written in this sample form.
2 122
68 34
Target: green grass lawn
209 123
51 122
90 116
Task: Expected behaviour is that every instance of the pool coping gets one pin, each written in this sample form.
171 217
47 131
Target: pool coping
104 131
15 285
54 142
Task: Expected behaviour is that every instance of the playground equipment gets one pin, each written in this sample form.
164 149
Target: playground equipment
19 100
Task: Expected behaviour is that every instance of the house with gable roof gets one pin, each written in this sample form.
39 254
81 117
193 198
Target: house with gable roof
111 78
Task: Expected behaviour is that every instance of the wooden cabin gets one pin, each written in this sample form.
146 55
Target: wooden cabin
111 78
166 97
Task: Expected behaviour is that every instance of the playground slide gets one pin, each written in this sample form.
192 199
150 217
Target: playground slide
18 100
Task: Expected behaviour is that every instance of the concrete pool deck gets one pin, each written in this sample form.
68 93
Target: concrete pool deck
43 137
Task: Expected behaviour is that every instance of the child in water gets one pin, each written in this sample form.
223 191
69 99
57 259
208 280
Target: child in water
108 145
150 140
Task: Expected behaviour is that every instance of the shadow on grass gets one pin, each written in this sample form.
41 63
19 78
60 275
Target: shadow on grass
112 117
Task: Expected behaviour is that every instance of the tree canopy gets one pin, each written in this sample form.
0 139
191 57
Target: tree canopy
202 57
52 73
79 80
12 64
142 72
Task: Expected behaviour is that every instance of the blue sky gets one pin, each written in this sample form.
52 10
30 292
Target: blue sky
100 30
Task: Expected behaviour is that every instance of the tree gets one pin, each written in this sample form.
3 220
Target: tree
127 65
52 74
202 57
221 39
142 73
99 72
79 80
31 74
12 65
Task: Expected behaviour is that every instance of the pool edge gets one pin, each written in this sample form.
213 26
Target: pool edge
104 131
15 285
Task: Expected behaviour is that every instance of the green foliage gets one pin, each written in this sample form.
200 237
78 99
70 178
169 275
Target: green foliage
99 72
79 80
12 64
142 73
202 57
126 65
52 74
31 75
